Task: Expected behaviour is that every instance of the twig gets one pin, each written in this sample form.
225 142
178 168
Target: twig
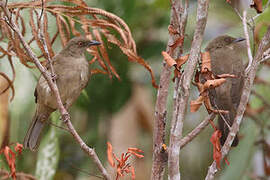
19 175
266 55
64 114
248 83
43 41
42 10
160 154
238 13
85 172
250 58
183 93
60 127
265 58
190 136
223 118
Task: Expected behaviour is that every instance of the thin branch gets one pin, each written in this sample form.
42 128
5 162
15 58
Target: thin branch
238 13
183 92
43 41
160 154
248 83
60 127
42 10
19 175
85 172
265 58
266 55
250 58
64 114
190 136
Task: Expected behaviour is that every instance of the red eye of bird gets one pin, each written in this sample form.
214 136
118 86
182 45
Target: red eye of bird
80 43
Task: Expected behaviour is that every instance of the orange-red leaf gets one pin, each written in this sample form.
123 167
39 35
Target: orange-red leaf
226 76
206 62
10 158
135 150
257 5
217 155
172 30
136 154
18 148
110 154
168 59
196 104
177 43
132 173
182 60
213 83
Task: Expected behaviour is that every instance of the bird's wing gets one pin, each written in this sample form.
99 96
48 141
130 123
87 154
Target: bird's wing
42 84
35 94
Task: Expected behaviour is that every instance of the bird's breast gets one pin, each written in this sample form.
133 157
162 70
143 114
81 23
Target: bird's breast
71 78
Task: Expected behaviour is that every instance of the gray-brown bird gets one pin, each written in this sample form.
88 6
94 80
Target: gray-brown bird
72 75
227 55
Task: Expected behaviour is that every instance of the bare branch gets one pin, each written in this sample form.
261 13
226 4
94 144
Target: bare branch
64 114
250 58
160 154
190 136
266 55
183 91
248 83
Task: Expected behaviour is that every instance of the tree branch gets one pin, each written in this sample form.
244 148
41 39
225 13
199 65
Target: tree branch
248 83
64 114
190 136
183 92
250 58
159 153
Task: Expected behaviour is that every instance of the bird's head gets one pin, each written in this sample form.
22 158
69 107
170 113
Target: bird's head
78 45
222 41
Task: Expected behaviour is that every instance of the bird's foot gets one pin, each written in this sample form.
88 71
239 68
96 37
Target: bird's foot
54 77
65 117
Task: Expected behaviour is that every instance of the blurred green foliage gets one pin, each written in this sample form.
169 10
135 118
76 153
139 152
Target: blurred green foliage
103 97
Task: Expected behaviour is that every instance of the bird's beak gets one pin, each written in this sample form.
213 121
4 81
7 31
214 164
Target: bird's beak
93 43
239 40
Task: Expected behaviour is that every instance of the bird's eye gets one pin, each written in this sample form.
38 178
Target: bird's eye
228 40
80 43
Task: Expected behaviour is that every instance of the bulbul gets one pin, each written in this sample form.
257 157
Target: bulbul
72 75
227 55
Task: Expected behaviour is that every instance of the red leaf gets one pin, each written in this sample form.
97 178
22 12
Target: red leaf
18 148
132 173
257 5
217 155
110 154
122 165
10 158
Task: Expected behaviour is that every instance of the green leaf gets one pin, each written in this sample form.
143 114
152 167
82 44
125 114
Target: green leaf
49 152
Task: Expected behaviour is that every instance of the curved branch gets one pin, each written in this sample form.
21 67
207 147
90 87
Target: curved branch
183 91
248 83
64 114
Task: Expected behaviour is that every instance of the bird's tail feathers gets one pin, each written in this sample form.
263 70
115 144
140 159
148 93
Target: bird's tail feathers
33 134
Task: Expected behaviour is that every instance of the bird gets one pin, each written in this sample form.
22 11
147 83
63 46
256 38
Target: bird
72 73
227 54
